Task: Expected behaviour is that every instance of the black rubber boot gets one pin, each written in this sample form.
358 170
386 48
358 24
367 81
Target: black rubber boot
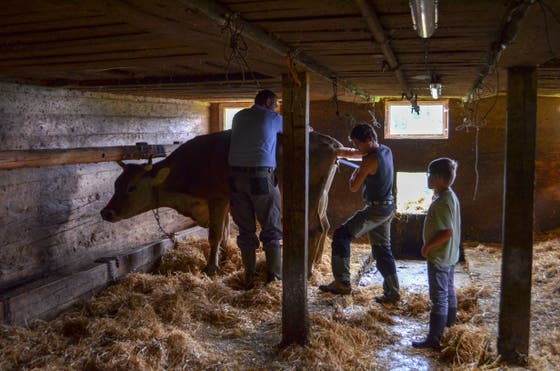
437 324
341 272
391 293
273 264
249 258
341 269
451 317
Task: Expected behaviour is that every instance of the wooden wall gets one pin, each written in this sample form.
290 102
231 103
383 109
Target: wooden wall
49 217
482 217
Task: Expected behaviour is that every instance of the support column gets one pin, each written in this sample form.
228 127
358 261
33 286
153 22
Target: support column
518 215
295 110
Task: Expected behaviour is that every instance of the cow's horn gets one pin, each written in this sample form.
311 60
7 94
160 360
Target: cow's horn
149 166
121 164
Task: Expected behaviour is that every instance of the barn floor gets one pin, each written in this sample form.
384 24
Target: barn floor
179 318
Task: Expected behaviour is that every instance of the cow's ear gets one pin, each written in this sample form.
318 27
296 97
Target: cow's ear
161 175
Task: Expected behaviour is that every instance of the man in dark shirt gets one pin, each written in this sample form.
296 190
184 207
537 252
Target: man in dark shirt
375 177
254 190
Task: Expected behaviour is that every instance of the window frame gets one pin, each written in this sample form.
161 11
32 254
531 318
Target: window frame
444 135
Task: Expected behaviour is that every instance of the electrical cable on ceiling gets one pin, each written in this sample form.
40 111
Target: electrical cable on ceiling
239 49
471 120
335 96
374 121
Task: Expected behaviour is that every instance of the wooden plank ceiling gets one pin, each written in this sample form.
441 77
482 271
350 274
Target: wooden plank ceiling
169 48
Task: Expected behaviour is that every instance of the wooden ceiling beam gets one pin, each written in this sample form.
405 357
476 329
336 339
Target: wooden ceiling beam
370 16
164 81
222 15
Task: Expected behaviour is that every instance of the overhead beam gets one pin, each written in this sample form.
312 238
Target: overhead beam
50 157
518 216
372 20
161 81
222 15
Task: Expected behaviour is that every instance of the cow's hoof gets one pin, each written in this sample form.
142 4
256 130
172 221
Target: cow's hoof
211 270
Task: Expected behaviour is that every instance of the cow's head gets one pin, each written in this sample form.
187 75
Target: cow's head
135 191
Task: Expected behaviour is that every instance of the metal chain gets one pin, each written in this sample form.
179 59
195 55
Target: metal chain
171 236
155 211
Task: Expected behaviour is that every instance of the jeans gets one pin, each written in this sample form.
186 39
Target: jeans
442 290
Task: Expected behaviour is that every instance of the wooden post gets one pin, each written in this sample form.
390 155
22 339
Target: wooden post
295 109
515 303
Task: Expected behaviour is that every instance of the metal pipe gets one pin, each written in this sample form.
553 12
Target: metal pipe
372 20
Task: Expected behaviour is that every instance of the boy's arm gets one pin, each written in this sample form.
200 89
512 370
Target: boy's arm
440 237
368 166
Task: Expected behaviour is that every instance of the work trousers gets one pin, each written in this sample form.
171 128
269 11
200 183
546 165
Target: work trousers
255 196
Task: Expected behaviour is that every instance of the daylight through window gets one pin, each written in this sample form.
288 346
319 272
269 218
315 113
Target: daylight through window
431 123
413 194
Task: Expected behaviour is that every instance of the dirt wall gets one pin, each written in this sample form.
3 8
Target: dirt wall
49 217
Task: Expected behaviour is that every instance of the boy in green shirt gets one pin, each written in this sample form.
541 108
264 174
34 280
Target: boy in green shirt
442 238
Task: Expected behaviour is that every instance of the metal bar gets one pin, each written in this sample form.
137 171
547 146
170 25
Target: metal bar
372 20
348 163
507 34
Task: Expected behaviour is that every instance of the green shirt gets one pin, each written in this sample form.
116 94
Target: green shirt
444 213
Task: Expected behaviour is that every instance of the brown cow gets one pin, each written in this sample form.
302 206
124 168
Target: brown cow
194 181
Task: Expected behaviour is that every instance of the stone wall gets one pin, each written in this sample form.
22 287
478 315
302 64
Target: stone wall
49 216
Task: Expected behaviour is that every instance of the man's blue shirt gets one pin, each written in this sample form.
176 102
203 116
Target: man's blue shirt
253 137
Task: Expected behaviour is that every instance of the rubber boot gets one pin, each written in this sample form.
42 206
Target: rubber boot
437 325
451 317
341 272
249 257
390 290
273 264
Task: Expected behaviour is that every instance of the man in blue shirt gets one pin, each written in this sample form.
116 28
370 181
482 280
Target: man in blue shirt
254 189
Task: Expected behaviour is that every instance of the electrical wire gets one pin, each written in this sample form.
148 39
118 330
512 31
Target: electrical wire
238 49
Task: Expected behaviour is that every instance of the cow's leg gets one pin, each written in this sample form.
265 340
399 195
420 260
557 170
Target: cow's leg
218 215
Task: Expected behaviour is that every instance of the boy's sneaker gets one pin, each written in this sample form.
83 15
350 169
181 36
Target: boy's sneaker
337 287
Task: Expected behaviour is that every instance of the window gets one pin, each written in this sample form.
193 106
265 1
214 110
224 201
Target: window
227 111
431 123
413 194
228 116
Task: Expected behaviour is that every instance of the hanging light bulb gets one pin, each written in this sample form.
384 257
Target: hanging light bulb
435 89
424 16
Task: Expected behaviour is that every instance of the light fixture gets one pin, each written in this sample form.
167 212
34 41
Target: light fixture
435 89
424 16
